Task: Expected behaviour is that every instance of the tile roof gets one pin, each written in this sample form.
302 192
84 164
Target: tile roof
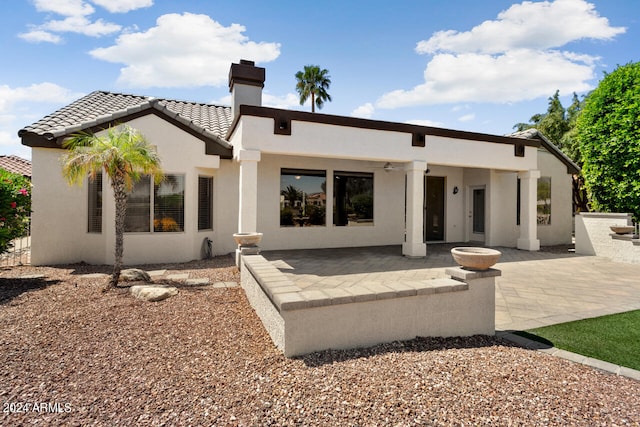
534 133
101 107
15 164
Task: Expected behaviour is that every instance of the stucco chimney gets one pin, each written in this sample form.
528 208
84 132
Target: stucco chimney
245 84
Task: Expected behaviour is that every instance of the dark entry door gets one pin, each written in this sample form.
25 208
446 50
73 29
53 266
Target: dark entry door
434 208
478 210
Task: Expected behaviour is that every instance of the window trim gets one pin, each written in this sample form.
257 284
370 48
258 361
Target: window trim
95 204
209 180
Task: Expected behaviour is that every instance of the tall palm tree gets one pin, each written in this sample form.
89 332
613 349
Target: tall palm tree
125 156
313 82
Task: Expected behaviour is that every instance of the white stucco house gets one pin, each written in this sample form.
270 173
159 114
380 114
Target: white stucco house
305 180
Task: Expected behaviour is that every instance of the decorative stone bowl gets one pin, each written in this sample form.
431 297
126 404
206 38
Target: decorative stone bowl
475 258
622 229
247 239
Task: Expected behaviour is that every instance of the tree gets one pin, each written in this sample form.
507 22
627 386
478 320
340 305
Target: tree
314 83
556 122
569 141
125 156
15 207
608 133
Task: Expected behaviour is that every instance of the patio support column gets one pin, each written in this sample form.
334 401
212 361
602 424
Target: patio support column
414 245
248 197
528 240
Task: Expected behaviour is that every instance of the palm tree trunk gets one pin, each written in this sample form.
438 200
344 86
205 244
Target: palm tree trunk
313 102
120 196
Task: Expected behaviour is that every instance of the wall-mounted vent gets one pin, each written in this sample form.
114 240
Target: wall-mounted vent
418 140
282 125
518 149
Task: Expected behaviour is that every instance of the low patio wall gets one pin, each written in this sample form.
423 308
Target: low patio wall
302 321
594 237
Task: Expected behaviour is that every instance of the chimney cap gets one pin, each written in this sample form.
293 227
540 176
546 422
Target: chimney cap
246 73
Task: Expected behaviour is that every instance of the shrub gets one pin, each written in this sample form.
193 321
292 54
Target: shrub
15 207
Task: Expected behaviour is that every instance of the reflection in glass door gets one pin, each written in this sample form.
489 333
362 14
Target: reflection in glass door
434 209
478 211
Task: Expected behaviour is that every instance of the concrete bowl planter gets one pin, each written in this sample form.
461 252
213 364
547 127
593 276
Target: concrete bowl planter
622 229
247 239
475 258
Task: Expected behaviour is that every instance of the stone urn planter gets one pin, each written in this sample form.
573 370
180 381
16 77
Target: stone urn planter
474 258
622 229
247 239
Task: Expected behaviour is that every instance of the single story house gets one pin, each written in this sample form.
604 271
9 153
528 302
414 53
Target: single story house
305 180
17 165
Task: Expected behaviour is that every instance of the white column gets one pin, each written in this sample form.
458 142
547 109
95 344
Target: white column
248 197
528 240
414 245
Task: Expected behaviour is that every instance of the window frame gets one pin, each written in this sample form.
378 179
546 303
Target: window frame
153 223
95 204
208 202
344 221
317 216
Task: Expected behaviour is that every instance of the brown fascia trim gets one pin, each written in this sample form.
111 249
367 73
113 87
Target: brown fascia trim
283 118
572 168
212 147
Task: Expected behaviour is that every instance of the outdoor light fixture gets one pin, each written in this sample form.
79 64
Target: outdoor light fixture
388 167
455 190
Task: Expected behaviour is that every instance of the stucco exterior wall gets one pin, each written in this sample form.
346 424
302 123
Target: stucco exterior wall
388 225
59 217
560 231
593 235
503 206
60 212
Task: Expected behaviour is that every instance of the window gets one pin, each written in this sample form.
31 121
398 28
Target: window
138 207
95 205
353 198
518 201
167 203
303 198
544 200
205 199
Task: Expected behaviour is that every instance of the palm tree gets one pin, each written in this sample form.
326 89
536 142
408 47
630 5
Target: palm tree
313 82
125 156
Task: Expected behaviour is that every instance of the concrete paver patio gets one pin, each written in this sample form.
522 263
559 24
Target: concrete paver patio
536 288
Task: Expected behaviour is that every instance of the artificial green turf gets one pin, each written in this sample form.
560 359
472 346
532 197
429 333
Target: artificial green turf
614 338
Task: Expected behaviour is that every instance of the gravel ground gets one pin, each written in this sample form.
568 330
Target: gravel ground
73 355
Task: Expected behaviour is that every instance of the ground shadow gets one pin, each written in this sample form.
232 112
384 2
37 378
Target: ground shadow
222 261
418 344
11 288
389 258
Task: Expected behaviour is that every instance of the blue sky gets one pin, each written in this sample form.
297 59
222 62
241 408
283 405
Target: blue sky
473 65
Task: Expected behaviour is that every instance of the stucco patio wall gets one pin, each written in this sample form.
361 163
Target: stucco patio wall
594 237
302 321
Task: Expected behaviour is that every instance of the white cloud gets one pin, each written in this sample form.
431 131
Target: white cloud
76 19
81 25
183 51
40 92
287 101
529 25
64 7
425 122
467 117
37 36
17 107
514 58
122 6
365 111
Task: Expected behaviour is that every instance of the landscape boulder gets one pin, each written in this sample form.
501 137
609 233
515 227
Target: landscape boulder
134 275
153 292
